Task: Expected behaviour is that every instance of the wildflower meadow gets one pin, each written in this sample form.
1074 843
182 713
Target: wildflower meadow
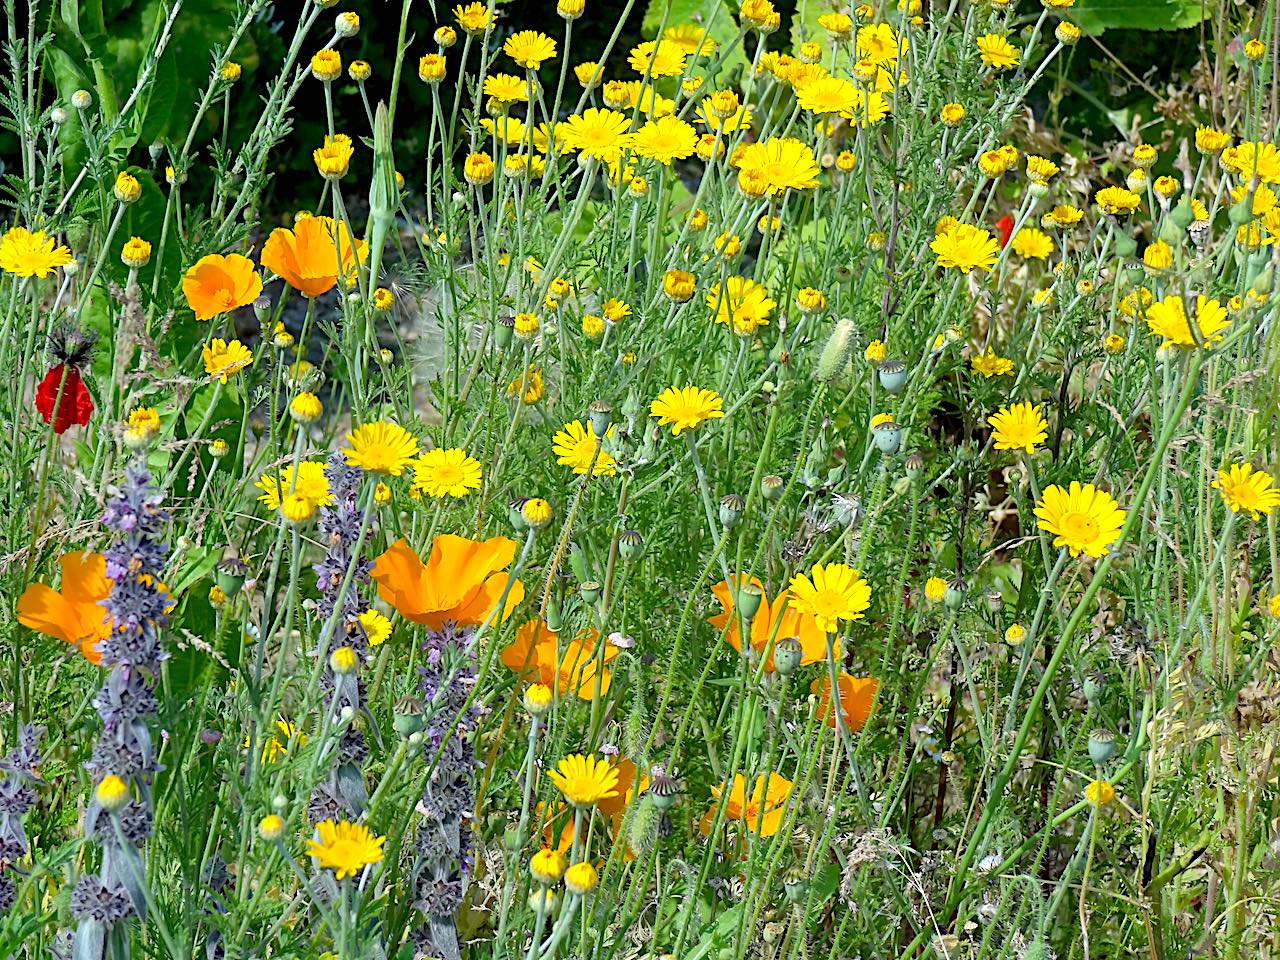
689 480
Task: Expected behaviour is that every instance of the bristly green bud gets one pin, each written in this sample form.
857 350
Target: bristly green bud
642 831
578 563
836 353
636 732
383 192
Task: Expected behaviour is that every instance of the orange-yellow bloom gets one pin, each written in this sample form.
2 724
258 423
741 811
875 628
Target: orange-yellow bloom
762 812
533 655
216 284
774 621
857 697
306 257
73 614
461 582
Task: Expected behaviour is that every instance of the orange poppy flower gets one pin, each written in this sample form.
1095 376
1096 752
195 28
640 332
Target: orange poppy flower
462 580
216 284
532 655
557 826
857 697
615 807
768 799
306 257
75 613
776 621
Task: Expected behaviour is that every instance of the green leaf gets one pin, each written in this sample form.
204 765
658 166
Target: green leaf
1095 16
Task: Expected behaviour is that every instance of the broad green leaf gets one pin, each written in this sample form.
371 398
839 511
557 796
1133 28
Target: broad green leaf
1095 16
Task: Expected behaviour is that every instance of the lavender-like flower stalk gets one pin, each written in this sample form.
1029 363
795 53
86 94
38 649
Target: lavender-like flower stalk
126 704
443 861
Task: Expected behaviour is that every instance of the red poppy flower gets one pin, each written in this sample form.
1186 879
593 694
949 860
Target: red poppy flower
64 388
1005 226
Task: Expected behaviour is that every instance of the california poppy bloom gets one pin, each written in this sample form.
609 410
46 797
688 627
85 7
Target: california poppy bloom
63 399
532 654
306 257
615 807
857 697
74 613
461 582
762 811
216 284
773 622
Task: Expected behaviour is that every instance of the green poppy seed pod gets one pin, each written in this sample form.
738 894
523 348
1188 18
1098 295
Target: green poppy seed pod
747 602
893 376
731 508
504 332
1102 746
787 654
230 575
1125 246
771 486
1242 211
995 602
887 437
796 884
1093 687
630 545
914 465
954 597
554 619
590 591
1182 214
836 353
601 415
515 514
1135 274
407 718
